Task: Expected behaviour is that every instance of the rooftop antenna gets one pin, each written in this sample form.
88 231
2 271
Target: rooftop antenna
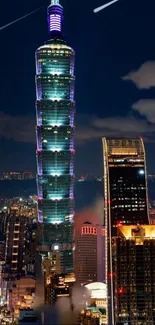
54 2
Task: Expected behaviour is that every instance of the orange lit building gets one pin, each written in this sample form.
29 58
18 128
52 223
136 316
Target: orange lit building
89 316
134 275
20 296
152 216
15 245
126 196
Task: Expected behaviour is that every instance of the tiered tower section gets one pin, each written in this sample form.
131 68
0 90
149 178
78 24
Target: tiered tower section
55 108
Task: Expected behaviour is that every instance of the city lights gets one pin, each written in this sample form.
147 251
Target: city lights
141 172
77 249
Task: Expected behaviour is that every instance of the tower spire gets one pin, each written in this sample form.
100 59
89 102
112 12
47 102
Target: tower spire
54 2
55 18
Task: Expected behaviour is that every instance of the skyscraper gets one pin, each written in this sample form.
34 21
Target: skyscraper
89 250
134 265
55 136
86 253
125 182
125 193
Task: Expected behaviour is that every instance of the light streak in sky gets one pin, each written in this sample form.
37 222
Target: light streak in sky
15 21
104 6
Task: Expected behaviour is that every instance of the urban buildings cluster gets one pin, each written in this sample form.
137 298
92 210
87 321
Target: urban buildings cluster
96 266
18 256
16 176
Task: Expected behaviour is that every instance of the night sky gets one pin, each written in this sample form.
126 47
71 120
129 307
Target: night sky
115 78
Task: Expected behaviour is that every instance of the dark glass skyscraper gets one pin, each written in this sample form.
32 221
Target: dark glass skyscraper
55 135
125 182
125 193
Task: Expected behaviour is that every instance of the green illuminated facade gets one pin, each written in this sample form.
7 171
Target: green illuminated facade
55 108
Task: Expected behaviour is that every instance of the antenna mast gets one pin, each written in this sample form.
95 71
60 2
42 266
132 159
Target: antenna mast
54 2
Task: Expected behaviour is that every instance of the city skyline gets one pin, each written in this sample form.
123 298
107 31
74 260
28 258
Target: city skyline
59 264
116 52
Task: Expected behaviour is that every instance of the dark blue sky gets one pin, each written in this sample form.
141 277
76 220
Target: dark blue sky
114 43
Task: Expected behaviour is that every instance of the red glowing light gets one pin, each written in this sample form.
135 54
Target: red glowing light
39 198
119 224
111 275
120 291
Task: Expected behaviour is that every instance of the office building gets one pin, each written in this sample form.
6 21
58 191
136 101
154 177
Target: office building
126 199
125 193
92 218
134 275
55 136
89 262
86 254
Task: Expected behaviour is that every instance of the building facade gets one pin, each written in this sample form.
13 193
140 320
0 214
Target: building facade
89 240
125 193
58 286
55 135
86 254
134 265
22 288
15 245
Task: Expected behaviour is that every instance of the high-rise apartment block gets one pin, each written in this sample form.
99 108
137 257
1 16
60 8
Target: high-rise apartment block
134 275
15 245
55 135
21 245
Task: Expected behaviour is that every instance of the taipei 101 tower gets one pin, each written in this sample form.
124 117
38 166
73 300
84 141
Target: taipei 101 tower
55 108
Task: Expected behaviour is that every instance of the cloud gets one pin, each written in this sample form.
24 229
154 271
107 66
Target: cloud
146 107
122 125
88 127
144 77
18 128
117 126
